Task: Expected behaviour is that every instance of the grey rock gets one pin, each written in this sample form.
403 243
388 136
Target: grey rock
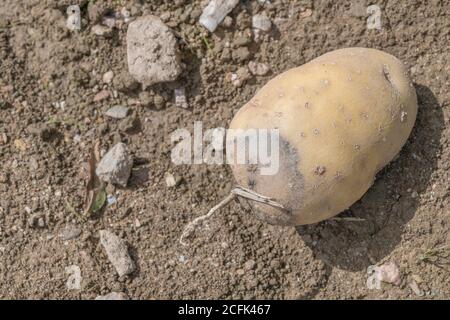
117 112
101 31
113 296
117 252
261 22
70 232
115 166
153 54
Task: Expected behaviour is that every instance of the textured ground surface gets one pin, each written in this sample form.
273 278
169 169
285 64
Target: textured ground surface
44 146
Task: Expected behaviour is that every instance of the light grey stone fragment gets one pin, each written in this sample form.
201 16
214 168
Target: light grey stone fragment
115 166
117 252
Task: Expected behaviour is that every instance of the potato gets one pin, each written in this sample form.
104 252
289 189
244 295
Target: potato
341 118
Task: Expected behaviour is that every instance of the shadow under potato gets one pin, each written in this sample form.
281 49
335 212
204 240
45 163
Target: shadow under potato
388 205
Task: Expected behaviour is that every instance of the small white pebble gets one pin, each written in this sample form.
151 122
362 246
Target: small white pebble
170 180
108 76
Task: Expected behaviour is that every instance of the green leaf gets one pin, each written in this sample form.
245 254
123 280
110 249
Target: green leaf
99 201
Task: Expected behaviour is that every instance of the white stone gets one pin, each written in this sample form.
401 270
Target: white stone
74 280
113 296
258 69
388 273
215 12
73 18
170 180
108 76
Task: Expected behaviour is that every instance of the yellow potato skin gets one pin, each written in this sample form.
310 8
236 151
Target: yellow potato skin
342 117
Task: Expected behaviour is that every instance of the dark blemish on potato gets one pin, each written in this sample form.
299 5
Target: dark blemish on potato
387 76
380 128
307 105
302 134
285 187
320 170
357 147
278 114
316 131
364 115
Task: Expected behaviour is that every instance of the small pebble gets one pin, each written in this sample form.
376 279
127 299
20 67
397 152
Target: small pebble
74 280
170 180
102 95
108 76
73 21
117 252
115 166
249 265
258 69
118 112
111 200
113 296
227 22
70 232
388 273
101 31
261 22
240 272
